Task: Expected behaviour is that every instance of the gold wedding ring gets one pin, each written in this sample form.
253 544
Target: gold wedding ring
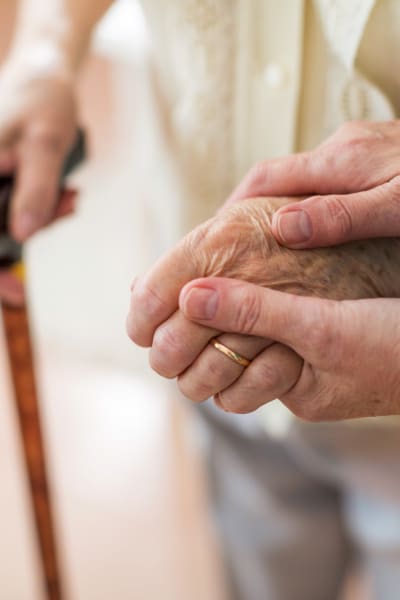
231 354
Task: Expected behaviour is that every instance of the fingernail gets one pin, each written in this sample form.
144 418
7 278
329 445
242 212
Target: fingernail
25 225
200 303
294 227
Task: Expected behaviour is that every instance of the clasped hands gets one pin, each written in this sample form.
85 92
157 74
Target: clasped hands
321 326
333 354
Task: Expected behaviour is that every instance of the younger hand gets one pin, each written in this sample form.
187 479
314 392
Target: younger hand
238 244
353 184
345 356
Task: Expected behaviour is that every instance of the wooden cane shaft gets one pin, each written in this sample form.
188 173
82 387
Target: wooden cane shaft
17 332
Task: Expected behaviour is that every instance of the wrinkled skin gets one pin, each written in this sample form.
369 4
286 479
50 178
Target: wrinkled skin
351 183
238 244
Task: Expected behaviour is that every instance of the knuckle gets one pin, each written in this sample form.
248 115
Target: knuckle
204 247
237 405
356 137
160 368
207 378
194 242
340 216
353 130
133 331
146 308
130 328
312 404
309 410
166 352
350 140
266 376
255 180
395 188
196 237
148 302
347 128
325 403
195 390
321 335
248 313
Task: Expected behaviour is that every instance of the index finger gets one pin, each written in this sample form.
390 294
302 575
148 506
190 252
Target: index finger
40 161
155 297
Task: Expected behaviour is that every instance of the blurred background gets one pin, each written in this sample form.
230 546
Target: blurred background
123 452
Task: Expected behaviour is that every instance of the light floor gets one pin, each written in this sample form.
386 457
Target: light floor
129 491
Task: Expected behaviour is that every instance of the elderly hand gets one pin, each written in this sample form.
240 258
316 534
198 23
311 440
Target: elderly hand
347 353
238 244
354 182
38 124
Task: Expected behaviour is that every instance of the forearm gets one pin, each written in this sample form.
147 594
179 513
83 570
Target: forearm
55 33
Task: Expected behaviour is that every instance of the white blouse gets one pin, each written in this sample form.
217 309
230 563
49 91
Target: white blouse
243 80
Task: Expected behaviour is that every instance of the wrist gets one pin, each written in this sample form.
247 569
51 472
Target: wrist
40 58
49 40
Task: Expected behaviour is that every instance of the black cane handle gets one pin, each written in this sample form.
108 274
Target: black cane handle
10 250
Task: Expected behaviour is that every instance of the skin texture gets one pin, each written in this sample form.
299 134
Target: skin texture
238 244
345 369
352 181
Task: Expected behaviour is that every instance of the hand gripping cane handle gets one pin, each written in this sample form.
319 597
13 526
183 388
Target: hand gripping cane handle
19 344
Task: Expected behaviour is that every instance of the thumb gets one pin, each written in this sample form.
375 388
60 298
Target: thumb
41 157
335 219
307 325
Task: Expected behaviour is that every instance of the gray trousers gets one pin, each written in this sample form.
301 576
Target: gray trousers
294 514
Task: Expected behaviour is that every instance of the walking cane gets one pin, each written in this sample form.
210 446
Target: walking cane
21 360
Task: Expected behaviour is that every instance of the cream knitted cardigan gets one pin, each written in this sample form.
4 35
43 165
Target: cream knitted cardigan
219 115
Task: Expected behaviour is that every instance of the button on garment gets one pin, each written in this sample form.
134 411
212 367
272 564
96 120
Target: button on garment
254 79
350 93
269 38
274 75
